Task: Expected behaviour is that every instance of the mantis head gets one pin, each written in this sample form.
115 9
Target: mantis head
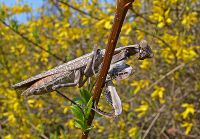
144 50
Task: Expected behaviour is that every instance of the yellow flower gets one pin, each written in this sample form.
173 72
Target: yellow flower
21 9
31 102
145 64
161 24
121 123
173 1
124 40
190 19
44 56
66 109
100 129
108 25
140 35
125 106
139 85
133 131
188 126
169 21
167 54
189 108
110 136
158 93
10 117
96 124
188 54
70 124
137 3
50 111
142 109
8 136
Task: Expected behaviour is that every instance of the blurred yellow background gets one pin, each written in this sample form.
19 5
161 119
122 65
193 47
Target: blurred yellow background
163 95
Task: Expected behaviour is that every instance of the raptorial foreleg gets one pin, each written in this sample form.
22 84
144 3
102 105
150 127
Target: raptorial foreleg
89 70
118 71
106 114
113 99
103 113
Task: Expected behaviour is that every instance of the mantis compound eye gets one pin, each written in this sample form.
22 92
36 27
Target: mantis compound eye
98 51
98 54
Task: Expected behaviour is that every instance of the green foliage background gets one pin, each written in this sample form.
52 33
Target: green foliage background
163 95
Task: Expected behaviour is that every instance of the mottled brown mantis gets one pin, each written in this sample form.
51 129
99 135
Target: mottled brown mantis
73 72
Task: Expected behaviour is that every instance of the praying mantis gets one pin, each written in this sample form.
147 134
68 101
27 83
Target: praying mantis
73 72
77 71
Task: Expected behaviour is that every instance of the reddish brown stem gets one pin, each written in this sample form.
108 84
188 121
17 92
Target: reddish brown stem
121 10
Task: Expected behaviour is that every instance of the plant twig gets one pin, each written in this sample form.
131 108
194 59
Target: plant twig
61 94
167 74
142 16
153 122
78 10
100 112
30 41
41 134
121 11
55 3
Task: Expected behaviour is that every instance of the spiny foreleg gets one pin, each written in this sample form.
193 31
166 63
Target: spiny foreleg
114 101
94 61
110 115
118 71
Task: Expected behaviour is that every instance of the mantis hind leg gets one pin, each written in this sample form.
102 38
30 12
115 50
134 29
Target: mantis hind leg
77 79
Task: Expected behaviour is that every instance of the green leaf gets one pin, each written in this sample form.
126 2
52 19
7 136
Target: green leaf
36 34
49 48
2 12
54 136
14 24
80 124
85 95
77 112
138 135
78 100
89 104
40 128
130 116
89 128
88 108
